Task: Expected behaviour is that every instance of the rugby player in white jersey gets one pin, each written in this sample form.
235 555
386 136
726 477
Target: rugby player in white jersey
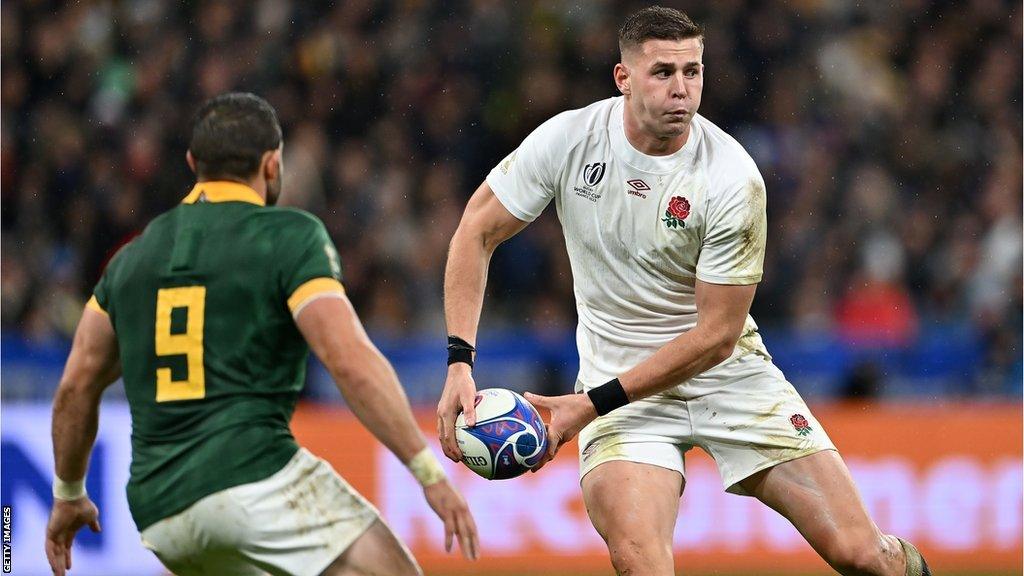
663 215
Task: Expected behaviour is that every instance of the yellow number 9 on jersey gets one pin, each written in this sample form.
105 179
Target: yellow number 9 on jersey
189 343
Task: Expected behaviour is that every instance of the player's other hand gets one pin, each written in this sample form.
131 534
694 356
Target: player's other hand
459 396
452 509
66 518
569 414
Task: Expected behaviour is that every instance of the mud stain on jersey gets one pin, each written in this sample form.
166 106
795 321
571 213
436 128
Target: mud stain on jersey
750 342
753 228
506 164
669 255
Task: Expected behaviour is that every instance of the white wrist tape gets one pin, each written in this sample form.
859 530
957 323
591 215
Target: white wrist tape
425 467
68 490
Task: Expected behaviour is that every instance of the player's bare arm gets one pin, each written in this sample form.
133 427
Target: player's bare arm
91 367
722 311
371 388
485 224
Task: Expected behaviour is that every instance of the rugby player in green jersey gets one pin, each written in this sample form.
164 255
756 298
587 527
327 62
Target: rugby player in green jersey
208 317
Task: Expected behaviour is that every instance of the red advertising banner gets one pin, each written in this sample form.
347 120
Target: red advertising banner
948 478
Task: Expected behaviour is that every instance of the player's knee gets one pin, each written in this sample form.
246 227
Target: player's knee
639 556
856 555
627 556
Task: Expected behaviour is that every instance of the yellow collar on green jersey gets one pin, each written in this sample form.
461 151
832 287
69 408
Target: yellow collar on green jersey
223 191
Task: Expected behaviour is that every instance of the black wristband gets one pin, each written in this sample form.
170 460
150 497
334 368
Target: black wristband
460 351
608 397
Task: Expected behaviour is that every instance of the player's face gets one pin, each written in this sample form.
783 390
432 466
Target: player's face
663 82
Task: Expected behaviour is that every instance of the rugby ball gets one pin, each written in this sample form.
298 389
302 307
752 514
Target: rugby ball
508 439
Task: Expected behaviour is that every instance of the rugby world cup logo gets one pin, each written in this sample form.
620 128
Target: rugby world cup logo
593 173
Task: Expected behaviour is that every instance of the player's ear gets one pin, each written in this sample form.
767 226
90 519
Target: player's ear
621 75
190 161
271 164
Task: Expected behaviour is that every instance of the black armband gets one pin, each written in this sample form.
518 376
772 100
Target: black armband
608 397
460 351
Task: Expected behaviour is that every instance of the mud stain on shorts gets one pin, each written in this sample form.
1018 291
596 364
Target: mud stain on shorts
302 497
782 447
770 413
603 450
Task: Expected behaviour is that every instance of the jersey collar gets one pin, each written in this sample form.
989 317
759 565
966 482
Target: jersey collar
223 191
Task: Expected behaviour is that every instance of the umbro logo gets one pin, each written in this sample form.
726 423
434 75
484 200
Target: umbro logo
639 187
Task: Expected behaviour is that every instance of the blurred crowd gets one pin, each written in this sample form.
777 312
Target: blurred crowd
889 135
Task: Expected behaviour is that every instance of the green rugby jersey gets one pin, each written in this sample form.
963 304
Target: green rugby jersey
202 303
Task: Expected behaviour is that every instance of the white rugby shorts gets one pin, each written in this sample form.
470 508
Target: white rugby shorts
748 422
295 522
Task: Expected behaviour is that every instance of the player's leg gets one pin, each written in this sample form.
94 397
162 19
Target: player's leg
376 552
817 494
634 506
767 444
631 464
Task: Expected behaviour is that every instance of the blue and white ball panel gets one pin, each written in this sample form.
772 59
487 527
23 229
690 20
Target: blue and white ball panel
508 439
491 403
475 454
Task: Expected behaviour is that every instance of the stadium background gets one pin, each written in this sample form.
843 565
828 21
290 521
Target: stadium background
889 135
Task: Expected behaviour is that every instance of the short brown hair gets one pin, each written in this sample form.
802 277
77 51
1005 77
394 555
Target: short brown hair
657 23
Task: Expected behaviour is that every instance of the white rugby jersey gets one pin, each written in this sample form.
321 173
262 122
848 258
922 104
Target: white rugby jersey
640 229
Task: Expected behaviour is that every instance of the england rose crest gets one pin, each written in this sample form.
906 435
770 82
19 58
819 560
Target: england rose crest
798 421
677 211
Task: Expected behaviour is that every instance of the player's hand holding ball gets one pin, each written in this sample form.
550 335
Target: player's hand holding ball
458 397
508 439
569 414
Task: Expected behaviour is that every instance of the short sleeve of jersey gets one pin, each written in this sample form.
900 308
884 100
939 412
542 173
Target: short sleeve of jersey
309 263
102 299
734 237
525 181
